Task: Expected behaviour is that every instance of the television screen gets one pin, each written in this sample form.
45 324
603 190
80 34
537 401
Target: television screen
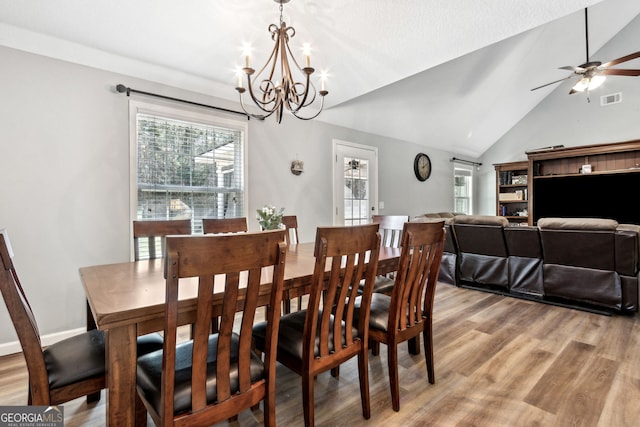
588 196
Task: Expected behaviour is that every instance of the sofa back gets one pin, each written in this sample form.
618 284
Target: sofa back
579 242
481 234
482 256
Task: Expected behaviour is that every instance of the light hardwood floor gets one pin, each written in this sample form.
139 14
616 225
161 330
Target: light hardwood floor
499 361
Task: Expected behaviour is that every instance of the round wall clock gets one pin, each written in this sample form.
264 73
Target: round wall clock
422 166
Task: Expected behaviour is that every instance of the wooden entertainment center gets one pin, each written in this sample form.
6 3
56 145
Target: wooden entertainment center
598 180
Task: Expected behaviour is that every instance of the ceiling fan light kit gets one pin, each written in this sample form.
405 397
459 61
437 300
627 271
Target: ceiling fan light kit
274 88
593 73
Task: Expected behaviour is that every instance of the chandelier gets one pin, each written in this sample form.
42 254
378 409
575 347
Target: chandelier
274 88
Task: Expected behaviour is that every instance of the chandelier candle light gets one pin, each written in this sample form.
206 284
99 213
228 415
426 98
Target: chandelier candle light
272 93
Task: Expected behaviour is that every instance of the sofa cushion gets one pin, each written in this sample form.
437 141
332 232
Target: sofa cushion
481 220
578 224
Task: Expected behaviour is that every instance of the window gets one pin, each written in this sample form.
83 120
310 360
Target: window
187 165
462 188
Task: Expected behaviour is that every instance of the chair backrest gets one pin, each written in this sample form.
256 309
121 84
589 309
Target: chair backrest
224 225
291 225
351 254
415 282
153 232
24 323
390 228
238 259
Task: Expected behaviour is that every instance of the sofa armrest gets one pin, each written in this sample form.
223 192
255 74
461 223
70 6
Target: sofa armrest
628 249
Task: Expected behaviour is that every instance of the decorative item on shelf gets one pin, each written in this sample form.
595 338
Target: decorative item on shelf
274 88
585 169
270 218
510 197
297 167
519 180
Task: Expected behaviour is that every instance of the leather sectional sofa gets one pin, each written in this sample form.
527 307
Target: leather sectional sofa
586 263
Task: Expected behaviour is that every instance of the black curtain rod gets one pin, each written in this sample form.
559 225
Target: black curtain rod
122 89
455 159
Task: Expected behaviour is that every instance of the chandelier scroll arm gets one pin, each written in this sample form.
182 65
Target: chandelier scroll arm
322 95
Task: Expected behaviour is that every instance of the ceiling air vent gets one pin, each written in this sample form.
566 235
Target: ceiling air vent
614 98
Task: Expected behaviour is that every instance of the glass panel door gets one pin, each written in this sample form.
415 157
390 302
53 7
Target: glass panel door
355 184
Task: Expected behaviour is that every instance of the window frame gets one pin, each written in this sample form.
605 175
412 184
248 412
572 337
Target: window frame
470 169
187 114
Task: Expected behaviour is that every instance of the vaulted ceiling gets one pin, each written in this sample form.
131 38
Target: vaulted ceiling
454 75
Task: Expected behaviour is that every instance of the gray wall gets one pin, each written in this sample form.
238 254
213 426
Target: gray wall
65 173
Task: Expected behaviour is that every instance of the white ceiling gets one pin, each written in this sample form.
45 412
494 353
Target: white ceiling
449 74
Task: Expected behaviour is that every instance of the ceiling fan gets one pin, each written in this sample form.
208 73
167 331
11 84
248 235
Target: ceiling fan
592 73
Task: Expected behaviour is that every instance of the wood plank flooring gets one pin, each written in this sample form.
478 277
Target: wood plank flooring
499 361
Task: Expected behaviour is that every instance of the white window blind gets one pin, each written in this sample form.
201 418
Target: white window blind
462 188
188 170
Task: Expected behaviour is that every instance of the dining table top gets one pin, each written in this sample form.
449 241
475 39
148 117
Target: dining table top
134 292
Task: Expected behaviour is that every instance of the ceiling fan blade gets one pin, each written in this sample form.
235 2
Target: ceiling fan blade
576 70
621 60
614 72
544 85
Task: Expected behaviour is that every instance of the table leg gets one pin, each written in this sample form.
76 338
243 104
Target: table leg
121 375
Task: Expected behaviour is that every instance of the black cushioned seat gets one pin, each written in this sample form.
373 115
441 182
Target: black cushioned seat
75 359
83 356
379 317
290 334
150 371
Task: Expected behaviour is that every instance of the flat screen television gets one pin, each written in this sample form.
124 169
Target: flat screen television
612 196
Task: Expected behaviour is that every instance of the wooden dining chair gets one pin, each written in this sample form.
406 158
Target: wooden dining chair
214 377
321 337
391 227
224 225
407 312
291 226
150 233
67 369
147 236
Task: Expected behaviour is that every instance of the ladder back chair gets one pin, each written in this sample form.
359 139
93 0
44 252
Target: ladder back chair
154 232
214 377
391 227
148 234
67 369
291 226
407 313
322 337
224 225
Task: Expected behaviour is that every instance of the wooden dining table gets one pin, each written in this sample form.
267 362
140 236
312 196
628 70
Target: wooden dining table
127 300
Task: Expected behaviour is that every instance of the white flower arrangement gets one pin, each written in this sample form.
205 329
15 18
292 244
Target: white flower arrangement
269 218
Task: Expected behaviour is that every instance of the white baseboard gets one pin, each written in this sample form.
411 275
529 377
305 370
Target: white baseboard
14 346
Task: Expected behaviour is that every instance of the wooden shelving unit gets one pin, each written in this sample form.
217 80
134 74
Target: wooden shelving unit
512 191
617 163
